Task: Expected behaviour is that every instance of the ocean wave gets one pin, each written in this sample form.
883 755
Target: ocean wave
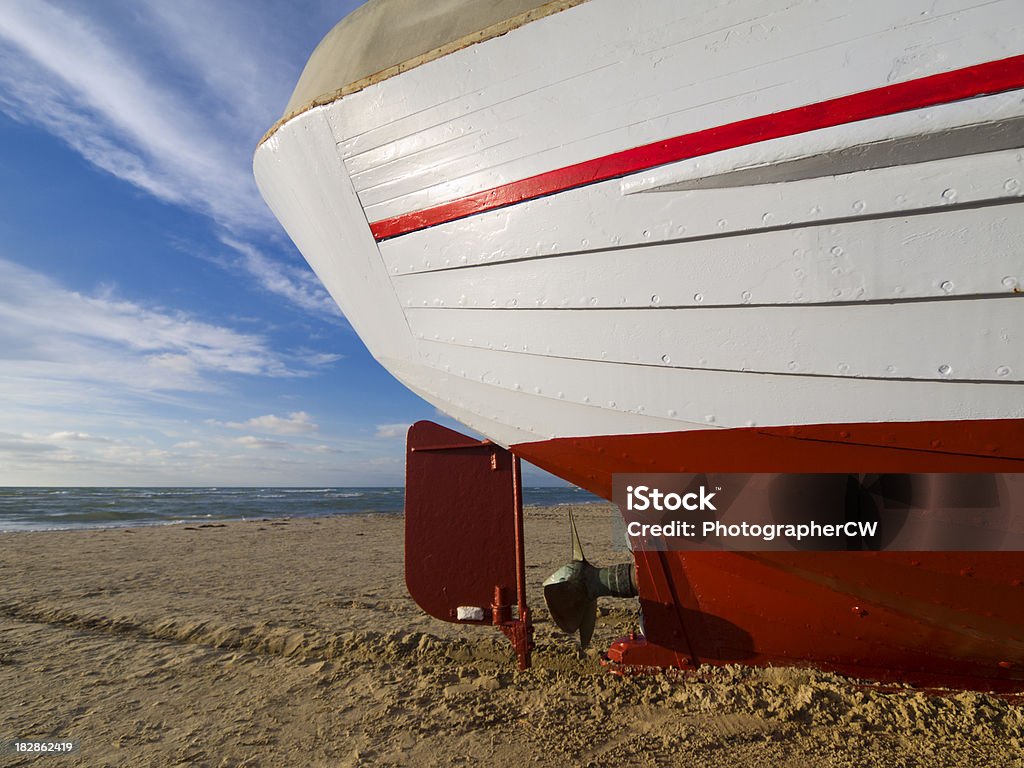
77 508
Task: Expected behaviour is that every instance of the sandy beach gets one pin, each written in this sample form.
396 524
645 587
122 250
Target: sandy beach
293 642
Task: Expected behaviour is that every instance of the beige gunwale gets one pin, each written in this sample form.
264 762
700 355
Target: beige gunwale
487 33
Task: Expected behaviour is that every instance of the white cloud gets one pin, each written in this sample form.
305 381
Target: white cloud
231 49
317 359
298 423
91 89
388 431
296 284
170 98
77 437
21 444
100 388
54 339
208 459
326 449
251 441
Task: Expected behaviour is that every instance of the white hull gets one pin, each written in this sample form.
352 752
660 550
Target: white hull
864 272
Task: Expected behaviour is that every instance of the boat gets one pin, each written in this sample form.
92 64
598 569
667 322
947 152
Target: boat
662 237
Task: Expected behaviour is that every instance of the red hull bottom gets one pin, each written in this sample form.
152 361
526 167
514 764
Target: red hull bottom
951 619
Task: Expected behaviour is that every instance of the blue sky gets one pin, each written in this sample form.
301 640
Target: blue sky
157 327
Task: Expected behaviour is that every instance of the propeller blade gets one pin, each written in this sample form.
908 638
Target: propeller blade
577 548
567 597
571 592
587 627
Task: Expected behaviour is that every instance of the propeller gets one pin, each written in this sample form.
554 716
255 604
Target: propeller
571 592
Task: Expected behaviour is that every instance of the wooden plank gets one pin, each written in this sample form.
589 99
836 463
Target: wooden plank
954 339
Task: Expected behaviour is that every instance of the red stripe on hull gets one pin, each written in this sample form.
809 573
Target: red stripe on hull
952 619
978 80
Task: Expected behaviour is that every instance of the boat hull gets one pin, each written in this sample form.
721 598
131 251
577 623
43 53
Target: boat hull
693 239
995 445
738 237
936 619
940 619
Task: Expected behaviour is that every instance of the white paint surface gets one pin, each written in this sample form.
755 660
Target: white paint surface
889 293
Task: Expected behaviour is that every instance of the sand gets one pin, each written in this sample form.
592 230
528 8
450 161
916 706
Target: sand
281 643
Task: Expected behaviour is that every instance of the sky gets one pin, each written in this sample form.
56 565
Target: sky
157 326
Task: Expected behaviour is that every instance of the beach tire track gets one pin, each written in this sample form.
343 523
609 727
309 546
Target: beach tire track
269 639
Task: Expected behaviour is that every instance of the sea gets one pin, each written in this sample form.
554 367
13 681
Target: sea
57 509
